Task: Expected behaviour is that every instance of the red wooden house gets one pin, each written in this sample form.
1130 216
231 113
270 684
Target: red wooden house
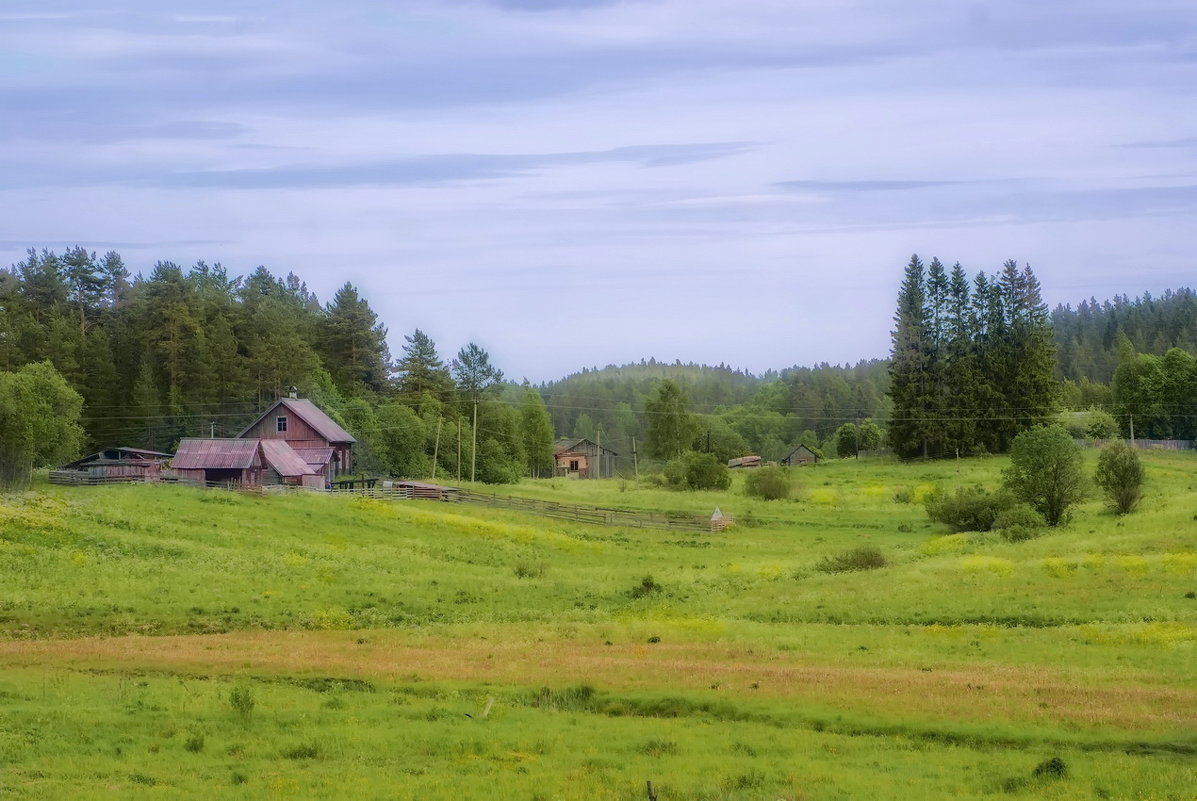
319 442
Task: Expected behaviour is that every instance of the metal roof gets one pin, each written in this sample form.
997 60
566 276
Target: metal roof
314 456
138 456
200 454
282 459
311 414
567 445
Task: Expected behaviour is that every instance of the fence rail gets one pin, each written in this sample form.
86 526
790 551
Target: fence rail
595 515
1143 444
577 513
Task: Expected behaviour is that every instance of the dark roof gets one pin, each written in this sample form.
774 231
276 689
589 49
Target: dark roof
566 445
282 459
200 454
311 414
139 456
795 450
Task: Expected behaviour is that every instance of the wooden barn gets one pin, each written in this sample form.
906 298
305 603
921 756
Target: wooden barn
112 464
581 458
799 456
235 462
322 444
244 463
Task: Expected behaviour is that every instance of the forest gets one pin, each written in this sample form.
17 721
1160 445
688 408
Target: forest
198 351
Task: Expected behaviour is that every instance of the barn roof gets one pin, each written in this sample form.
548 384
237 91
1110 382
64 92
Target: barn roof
282 459
121 455
200 454
799 449
314 456
311 414
567 445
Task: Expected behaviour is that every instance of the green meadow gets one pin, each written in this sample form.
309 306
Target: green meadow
162 642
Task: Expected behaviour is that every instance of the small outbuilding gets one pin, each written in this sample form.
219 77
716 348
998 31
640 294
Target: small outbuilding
112 464
744 461
799 456
235 462
581 458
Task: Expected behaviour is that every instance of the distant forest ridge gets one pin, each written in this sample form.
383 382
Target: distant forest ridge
188 351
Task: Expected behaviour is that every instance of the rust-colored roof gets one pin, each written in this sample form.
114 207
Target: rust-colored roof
311 414
283 460
201 454
314 456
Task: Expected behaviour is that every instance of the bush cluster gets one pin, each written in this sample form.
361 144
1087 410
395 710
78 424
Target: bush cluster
697 471
863 558
769 483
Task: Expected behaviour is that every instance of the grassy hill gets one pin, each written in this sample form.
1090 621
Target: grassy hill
159 641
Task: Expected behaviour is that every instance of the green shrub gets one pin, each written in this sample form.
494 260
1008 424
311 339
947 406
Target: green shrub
303 751
697 471
645 588
242 700
968 508
865 557
903 495
768 483
1120 476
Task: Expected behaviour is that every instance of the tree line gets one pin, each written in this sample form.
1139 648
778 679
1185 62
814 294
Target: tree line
199 352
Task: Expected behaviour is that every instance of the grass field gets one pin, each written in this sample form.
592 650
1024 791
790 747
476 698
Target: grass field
161 642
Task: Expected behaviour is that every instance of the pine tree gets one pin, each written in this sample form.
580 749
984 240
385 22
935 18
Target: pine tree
353 343
911 428
421 371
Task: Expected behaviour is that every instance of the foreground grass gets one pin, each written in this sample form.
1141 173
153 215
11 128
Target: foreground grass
367 632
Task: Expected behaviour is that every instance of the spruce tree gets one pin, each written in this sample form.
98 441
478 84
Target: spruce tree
910 429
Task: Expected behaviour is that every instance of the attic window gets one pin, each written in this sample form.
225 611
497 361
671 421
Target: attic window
281 423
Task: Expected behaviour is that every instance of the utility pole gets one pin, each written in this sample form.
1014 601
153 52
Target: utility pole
708 440
436 449
459 449
635 462
1132 427
474 446
213 430
598 435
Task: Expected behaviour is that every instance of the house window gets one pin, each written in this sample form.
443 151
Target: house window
573 465
281 423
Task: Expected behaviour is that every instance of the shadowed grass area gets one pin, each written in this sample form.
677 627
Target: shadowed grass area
366 639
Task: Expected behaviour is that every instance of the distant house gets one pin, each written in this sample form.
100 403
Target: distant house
322 444
744 461
112 464
581 458
799 456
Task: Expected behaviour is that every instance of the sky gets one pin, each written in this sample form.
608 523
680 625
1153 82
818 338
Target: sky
575 184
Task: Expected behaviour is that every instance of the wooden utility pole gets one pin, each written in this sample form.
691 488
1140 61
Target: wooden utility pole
635 462
598 436
474 446
459 449
1132 427
436 449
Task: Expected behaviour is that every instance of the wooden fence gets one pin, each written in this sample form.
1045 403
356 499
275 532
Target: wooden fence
1143 444
577 513
595 515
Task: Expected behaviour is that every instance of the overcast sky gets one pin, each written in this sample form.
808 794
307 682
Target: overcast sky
580 183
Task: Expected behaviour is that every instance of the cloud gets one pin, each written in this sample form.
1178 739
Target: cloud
449 168
863 186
